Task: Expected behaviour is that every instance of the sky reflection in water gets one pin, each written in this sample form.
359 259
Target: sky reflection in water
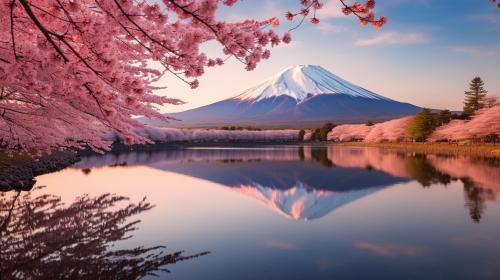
304 212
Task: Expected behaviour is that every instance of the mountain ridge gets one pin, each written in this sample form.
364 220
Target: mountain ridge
304 81
297 97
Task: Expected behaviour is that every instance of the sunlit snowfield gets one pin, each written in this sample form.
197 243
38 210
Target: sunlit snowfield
302 212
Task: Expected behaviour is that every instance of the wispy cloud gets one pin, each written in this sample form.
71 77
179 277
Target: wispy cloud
269 9
487 17
479 52
281 245
331 9
328 27
394 38
476 240
390 249
293 44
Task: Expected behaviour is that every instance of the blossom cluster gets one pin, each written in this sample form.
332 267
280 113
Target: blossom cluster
165 135
73 70
484 123
393 130
362 10
349 132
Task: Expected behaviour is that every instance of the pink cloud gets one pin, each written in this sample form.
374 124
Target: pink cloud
394 38
475 51
289 246
390 249
476 240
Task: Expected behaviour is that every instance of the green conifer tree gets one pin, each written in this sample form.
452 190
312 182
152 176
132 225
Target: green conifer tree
324 130
444 117
474 97
422 125
302 133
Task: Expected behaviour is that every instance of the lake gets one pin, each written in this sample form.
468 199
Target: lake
258 212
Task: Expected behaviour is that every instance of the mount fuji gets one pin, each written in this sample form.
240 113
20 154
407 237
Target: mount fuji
299 96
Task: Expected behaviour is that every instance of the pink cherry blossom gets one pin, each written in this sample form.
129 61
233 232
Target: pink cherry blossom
165 135
349 132
486 122
71 71
363 10
393 130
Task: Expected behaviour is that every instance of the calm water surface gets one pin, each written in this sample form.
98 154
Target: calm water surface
276 212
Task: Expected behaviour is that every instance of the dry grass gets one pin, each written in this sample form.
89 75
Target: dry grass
489 150
13 159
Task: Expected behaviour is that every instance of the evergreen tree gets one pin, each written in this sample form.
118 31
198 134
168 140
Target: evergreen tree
474 97
422 125
301 135
324 130
316 135
444 117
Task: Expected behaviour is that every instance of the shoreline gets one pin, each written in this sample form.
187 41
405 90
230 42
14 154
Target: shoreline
18 173
486 150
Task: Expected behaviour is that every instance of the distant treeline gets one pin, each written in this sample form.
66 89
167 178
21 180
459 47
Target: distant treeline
231 127
479 122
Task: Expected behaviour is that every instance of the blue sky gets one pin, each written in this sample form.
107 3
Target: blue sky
426 54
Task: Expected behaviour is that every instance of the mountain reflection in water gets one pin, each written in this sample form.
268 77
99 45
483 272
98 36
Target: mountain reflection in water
308 182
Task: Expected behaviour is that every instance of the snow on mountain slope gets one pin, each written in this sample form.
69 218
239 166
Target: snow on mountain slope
298 97
303 81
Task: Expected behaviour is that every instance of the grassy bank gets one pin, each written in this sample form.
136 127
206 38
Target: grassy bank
489 150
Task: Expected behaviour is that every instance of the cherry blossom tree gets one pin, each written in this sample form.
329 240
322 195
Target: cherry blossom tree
349 132
73 70
162 134
393 130
485 123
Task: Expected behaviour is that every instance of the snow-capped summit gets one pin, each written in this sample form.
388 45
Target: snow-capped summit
297 97
304 81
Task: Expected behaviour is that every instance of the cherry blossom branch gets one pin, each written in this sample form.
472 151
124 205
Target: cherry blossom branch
11 14
85 65
363 11
42 29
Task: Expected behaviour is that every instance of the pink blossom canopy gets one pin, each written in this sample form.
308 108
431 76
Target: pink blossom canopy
485 122
72 70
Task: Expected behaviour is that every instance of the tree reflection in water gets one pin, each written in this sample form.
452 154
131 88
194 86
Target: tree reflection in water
42 238
475 199
319 171
424 171
475 196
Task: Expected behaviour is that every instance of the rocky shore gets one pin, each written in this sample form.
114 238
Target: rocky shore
19 174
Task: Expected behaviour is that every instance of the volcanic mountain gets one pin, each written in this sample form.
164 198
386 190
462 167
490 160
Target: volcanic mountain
299 96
